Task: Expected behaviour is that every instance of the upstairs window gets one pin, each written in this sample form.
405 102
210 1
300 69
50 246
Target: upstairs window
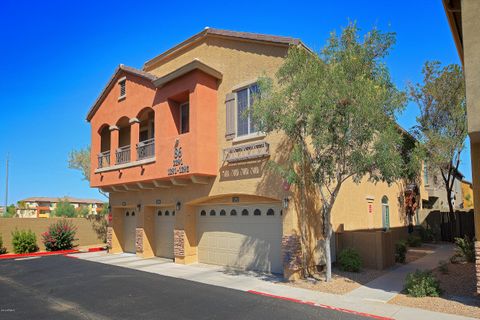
245 98
184 118
122 85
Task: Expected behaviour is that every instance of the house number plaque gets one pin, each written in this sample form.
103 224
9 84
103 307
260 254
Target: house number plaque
177 166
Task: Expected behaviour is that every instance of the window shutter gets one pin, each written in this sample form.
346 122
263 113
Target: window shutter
230 116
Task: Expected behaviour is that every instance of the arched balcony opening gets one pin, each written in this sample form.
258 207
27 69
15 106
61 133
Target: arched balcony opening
104 155
123 151
146 140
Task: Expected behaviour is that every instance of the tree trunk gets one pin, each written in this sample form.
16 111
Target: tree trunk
328 237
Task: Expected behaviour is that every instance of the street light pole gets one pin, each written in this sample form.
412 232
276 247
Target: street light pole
6 187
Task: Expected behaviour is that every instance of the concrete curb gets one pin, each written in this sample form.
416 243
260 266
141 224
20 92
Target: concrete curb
48 253
324 306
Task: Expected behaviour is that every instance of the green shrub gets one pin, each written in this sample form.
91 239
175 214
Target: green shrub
456 258
443 266
60 236
2 248
24 241
349 260
426 234
422 284
400 251
414 241
465 248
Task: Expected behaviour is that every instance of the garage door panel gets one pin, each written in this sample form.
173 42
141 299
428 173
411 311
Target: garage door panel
248 242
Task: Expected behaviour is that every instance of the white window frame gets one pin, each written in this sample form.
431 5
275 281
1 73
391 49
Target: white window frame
249 135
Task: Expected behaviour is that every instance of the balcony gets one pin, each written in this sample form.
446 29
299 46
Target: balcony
146 149
123 155
104 159
246 152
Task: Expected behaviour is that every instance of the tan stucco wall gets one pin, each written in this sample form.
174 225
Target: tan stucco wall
471 49
471 46
85 233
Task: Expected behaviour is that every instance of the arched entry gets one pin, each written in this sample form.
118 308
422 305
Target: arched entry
146 141
385 213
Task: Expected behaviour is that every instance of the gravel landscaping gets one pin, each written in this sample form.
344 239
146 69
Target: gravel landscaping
342 281
458 293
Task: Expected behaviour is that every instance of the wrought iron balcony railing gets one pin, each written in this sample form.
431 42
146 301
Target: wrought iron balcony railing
123 155
246 152
146 149
104 159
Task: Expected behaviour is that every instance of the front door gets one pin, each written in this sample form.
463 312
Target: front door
129 225
164 225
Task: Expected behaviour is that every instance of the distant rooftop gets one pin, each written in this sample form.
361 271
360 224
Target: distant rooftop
69 199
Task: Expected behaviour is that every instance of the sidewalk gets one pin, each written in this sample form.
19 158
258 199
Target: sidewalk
384 288
263 284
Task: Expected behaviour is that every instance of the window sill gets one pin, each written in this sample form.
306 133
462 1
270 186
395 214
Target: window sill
121 98
249 137
125 165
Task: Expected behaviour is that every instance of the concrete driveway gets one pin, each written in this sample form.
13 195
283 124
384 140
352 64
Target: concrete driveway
59 287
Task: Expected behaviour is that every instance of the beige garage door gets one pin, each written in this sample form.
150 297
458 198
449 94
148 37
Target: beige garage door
164 225
247 237
129 225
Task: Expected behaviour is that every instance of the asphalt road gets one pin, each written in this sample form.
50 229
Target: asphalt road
58 287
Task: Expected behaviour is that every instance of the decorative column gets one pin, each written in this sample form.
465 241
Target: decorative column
184 237
134 138
114 135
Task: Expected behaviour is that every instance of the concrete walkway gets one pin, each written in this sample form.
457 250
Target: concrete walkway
264 283
384 288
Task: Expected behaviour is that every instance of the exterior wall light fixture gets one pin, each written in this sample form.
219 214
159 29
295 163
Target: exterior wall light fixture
178 206
285 202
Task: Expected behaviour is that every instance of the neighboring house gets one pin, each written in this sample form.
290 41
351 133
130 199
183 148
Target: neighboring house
463 17
467 192
437 193
186 168
42 207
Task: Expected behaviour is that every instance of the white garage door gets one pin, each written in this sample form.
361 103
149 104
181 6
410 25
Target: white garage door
129 225
164 225
247 237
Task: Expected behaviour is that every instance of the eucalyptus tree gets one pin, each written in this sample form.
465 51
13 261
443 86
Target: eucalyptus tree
79 159
442 123
337 110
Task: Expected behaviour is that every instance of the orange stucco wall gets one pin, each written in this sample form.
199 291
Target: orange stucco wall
199 149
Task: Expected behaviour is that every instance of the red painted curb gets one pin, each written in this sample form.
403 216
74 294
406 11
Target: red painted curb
37 254
319 305
46 253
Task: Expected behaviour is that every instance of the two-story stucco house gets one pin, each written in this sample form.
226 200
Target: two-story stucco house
186 169
437 193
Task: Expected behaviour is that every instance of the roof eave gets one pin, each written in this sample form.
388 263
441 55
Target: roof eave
111 82
196 64
274 40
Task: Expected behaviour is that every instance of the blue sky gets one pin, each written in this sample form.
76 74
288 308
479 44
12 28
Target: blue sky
56 56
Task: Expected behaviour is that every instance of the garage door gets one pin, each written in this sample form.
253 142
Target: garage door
247 237
129 225
164 225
